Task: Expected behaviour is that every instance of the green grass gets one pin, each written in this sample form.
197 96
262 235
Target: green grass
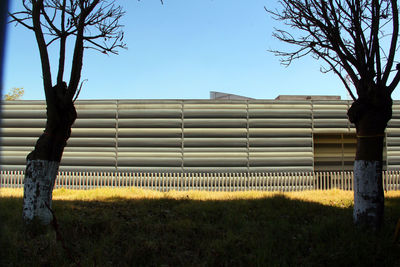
142 228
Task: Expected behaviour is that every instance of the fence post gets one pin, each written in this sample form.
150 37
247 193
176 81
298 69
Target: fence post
20 179
5 179
397 181
228 181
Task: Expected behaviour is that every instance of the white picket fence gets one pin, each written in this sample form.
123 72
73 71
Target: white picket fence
206 181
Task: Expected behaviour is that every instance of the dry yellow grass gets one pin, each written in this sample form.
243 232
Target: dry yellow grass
328 197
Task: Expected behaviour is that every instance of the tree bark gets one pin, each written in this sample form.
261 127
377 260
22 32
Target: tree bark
370 114
368 193
43 162
39 181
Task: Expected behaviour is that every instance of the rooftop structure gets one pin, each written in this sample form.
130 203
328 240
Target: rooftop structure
225 96
307 97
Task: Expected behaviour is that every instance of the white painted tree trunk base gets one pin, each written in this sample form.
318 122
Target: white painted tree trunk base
39 181
368 193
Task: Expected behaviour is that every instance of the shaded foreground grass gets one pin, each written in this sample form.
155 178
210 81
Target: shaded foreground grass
131 227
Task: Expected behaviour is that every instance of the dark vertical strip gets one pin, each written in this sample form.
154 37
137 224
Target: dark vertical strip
183 136
3 19
116 135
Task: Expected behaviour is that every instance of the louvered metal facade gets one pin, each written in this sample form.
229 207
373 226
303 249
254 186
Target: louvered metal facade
196 136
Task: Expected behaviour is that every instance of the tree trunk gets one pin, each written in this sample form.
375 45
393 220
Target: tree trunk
370 114
368 193
43 162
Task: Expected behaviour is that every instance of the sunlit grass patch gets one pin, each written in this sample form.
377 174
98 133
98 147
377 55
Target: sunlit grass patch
329 197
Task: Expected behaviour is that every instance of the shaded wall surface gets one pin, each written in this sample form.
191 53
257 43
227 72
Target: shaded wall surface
196 135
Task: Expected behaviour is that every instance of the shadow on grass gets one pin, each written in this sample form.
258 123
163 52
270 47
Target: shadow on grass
273 231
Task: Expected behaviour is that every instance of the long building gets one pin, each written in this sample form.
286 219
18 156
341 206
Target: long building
293 134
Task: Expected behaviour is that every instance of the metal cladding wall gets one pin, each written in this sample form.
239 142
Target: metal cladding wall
393 139
189 135
334 136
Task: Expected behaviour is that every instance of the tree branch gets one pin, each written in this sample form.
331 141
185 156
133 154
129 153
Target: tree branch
63 40
44 56
393 43
92 22
347 34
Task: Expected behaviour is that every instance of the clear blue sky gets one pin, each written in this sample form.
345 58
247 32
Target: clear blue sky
181 50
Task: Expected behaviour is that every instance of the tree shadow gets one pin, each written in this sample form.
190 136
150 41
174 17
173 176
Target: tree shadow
274 231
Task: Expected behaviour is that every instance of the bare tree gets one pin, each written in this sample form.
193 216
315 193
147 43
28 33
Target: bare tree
356 39
91 24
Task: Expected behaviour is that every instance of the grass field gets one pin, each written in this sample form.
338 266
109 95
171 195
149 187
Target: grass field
132 227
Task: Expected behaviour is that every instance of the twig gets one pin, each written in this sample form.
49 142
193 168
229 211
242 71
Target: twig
60 238
79 90
397 231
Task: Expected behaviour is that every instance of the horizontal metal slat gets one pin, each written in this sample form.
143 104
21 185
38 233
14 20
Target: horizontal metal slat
235 105
227 150
149 132
215 154
277 169
23 123
14 160
280 123
19 141
92 142
146 123
148 149
149 104
215 113
214 162
96 113
280 161
228 169
273 142
23 105
89 154
344 130
217 123
215 142
330 114
279 105
215 132
286 154
148 162
331 105
152 169
331 123
148 154
153 142
150 113
89 149
392 132
21 132
280 132
88 161
25 114
84 168
93 132
96 104
94 123
393 141
278 113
